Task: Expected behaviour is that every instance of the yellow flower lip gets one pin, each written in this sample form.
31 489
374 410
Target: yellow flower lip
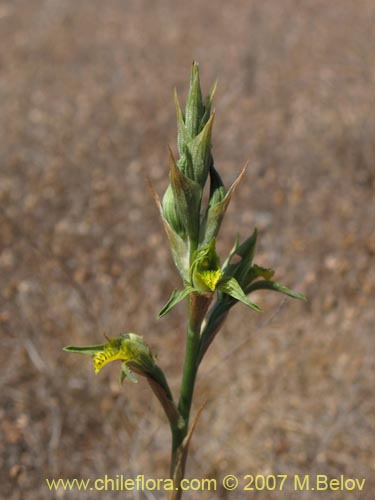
210 278
104 357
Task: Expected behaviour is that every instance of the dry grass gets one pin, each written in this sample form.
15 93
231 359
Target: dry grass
86 92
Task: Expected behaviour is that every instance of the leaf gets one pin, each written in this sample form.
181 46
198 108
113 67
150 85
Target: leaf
175 298
212 221
275 286
231 287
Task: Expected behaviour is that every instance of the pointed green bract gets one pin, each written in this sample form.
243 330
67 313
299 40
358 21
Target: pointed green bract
175 298
170 212
187 194
200 151
178 246
231 287
243 270
194 105
215 213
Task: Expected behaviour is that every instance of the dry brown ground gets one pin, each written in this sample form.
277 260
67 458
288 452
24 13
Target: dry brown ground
86 95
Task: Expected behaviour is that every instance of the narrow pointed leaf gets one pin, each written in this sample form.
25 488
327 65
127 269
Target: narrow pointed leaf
277 287
231 287
175 298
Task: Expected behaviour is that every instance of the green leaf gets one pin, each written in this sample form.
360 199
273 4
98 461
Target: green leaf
214 217
188 195
175 298
275 286
231 287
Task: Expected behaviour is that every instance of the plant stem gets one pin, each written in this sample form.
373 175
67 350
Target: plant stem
197 308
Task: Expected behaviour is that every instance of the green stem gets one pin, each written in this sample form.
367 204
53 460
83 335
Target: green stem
197 308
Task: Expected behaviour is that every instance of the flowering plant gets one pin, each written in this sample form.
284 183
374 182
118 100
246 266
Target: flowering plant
192 230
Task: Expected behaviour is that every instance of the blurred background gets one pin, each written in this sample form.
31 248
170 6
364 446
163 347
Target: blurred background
87 112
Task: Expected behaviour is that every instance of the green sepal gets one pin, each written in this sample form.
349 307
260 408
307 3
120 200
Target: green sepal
175 298
188 195
215 212
275 286
90 350
231 287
